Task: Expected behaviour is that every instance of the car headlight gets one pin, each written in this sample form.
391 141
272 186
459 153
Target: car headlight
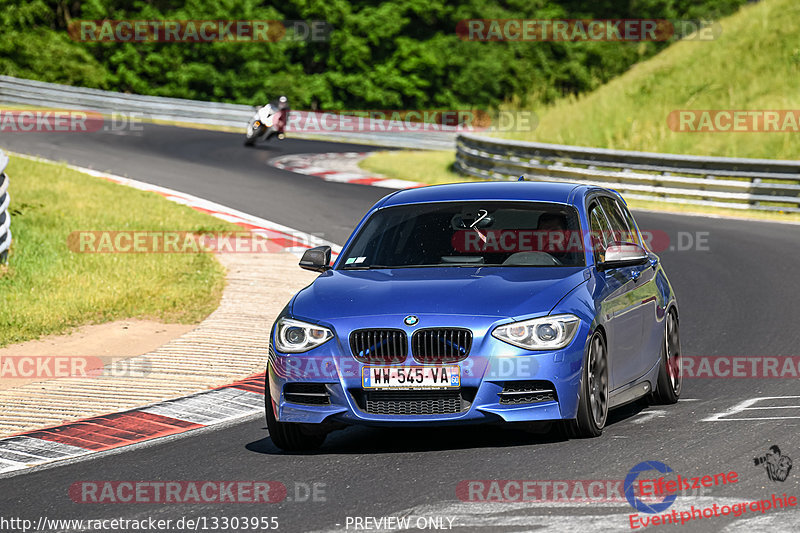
293 336
545 333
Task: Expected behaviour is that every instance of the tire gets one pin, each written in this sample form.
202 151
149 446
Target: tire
253 135
670 377
593 397
288 436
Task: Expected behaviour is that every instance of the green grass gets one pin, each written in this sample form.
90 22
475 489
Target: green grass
753 65
424 166
48 289
427 166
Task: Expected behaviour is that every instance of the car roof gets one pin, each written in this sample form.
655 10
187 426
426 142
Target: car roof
532 191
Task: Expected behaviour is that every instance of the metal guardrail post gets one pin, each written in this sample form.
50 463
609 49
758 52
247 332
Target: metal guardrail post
5 215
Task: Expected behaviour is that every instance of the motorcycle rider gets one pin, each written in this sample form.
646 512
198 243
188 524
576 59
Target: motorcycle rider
274 113
281 105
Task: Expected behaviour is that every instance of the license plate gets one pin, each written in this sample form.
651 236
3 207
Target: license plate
410 377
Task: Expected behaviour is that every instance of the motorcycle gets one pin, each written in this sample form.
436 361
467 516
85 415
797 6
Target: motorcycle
268 121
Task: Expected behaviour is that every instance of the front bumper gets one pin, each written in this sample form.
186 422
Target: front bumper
491 366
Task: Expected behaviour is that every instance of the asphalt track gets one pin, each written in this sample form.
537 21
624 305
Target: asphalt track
737 298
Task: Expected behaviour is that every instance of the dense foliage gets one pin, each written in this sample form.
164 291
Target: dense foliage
397 54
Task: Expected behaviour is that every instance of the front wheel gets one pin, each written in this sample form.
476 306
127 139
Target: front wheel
253 134
670 377
289 436
593 397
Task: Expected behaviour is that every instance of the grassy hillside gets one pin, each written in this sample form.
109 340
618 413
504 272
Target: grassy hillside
753 65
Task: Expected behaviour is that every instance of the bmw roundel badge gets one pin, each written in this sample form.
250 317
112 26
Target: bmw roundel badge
410 320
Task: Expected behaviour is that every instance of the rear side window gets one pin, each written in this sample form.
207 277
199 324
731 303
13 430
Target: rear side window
623 227
601 231
631 223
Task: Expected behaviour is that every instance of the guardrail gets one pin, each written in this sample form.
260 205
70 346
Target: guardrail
52 95
5 215
753 184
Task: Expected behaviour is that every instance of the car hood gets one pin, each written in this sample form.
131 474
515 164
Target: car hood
487 291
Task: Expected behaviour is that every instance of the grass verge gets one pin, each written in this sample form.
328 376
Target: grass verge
48 289
424 166
432 167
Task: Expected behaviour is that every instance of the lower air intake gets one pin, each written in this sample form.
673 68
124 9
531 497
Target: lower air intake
307 393
527 392
430 402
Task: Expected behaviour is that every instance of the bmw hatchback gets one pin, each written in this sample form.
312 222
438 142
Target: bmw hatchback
476 303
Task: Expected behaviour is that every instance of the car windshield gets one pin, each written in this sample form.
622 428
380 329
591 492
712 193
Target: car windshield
474 233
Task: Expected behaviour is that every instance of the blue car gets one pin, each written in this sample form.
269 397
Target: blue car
475 303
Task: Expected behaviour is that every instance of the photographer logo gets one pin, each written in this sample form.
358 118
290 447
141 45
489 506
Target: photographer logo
776 464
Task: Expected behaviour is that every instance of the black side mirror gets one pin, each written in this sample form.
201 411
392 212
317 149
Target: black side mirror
623 254
317 259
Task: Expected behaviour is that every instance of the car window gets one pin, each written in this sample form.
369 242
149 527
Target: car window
469 233
620 225
601 232
635 237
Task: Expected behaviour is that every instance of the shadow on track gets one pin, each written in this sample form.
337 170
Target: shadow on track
372 440
274 148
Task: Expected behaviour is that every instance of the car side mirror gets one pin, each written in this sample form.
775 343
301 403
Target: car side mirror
623 254
316 259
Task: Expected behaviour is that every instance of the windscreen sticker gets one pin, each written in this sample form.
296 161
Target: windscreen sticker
351 260
361 259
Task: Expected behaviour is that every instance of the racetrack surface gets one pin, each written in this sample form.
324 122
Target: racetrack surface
738 298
